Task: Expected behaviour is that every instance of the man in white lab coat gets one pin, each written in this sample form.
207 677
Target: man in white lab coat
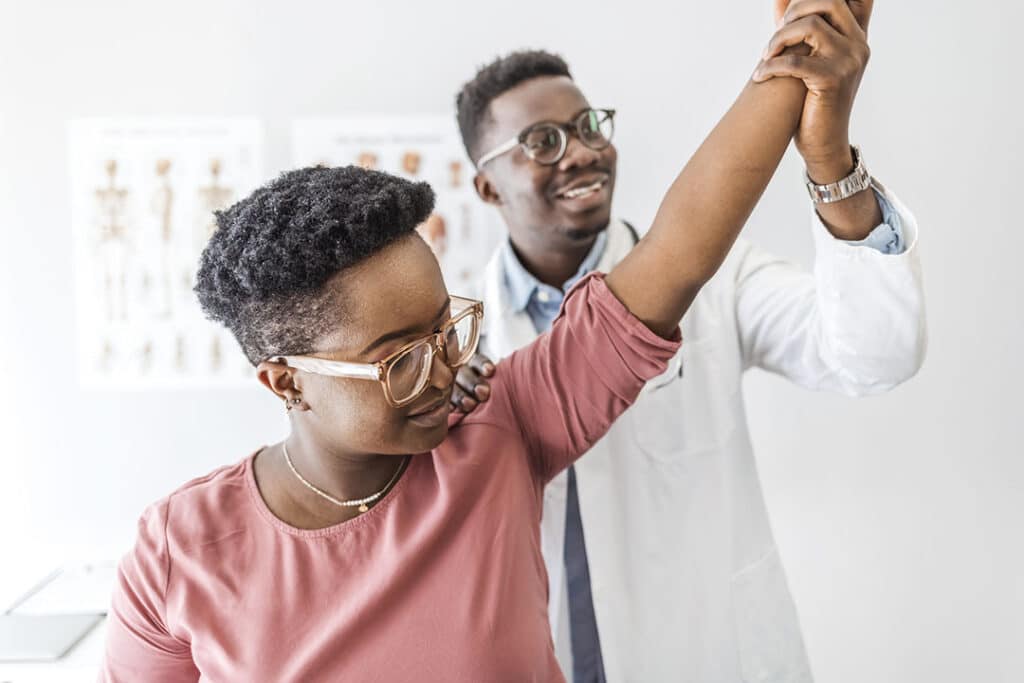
661 560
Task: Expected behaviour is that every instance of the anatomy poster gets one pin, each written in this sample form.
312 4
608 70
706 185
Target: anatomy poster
143 196
463 230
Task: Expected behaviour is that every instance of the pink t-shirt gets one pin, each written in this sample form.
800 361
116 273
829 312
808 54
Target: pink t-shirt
443 580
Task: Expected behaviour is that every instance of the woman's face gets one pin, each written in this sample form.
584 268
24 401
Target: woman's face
394 297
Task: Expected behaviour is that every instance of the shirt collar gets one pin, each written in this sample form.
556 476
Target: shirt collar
522 286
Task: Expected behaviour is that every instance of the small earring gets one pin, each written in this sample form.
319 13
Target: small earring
289 404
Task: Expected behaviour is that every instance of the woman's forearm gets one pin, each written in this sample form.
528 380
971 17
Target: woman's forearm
708 204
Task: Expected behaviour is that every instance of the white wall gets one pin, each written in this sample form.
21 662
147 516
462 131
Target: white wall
899 517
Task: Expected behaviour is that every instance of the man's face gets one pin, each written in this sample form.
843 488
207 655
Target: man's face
530 196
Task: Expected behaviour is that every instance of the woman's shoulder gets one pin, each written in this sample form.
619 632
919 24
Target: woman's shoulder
203 508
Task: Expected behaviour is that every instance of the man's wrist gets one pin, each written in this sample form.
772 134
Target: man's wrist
844 204
828 167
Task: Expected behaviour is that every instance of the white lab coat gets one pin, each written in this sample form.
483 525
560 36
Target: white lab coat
687 583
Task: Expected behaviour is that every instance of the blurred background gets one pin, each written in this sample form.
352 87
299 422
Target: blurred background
899 517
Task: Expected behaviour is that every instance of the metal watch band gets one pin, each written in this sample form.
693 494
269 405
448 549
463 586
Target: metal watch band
858 181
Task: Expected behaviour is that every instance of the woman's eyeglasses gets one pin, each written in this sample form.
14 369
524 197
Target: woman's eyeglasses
546 142
405 374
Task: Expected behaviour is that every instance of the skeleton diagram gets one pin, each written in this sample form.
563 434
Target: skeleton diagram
163 202
367 160
411 162
146 357
216 355
180 362
435 232
113 245
212 197
455 174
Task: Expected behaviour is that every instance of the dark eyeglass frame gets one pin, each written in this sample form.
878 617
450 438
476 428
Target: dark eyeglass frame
574 127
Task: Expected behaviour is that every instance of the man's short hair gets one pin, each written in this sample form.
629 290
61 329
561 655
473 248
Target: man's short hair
504 73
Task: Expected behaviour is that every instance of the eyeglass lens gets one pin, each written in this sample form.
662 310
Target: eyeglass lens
410 372
546 143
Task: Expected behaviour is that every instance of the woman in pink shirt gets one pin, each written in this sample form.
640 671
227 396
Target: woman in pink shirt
386 539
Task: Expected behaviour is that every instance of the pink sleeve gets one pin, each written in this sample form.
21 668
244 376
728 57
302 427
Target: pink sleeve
568 387
139 644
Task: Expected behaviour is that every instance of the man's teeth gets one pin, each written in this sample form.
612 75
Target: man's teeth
583 191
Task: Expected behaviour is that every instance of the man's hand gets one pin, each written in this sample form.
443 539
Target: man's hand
831 63
471 388
832 71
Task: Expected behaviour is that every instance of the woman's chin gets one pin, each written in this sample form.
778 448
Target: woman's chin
423 439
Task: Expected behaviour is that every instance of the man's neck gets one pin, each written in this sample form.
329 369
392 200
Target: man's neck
553 266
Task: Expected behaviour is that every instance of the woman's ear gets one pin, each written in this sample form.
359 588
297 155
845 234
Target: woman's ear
280 379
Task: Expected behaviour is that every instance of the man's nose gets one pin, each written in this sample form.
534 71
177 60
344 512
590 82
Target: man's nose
577 155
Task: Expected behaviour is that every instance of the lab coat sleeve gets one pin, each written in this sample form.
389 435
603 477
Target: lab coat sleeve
856 325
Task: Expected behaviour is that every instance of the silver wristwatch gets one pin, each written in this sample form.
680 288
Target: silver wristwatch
858 181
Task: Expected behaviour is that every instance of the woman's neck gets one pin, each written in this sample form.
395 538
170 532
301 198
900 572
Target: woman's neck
342 475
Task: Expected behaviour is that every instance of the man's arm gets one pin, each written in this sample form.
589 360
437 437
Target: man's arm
855 326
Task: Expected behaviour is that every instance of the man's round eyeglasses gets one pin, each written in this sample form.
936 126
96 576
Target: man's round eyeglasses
545 142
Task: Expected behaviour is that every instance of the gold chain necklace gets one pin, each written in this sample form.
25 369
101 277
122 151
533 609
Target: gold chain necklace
361 503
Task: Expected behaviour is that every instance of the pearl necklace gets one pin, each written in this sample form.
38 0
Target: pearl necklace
361 503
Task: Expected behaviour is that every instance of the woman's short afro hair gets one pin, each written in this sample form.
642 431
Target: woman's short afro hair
263 272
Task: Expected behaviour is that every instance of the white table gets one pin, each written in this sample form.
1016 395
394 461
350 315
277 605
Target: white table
80 665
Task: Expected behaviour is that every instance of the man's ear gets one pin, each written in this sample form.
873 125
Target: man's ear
485 189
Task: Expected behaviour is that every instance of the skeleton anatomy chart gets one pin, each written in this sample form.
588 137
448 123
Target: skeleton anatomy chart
463 231
143 196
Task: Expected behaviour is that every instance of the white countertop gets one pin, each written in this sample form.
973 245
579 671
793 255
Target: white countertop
82 662
80 665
